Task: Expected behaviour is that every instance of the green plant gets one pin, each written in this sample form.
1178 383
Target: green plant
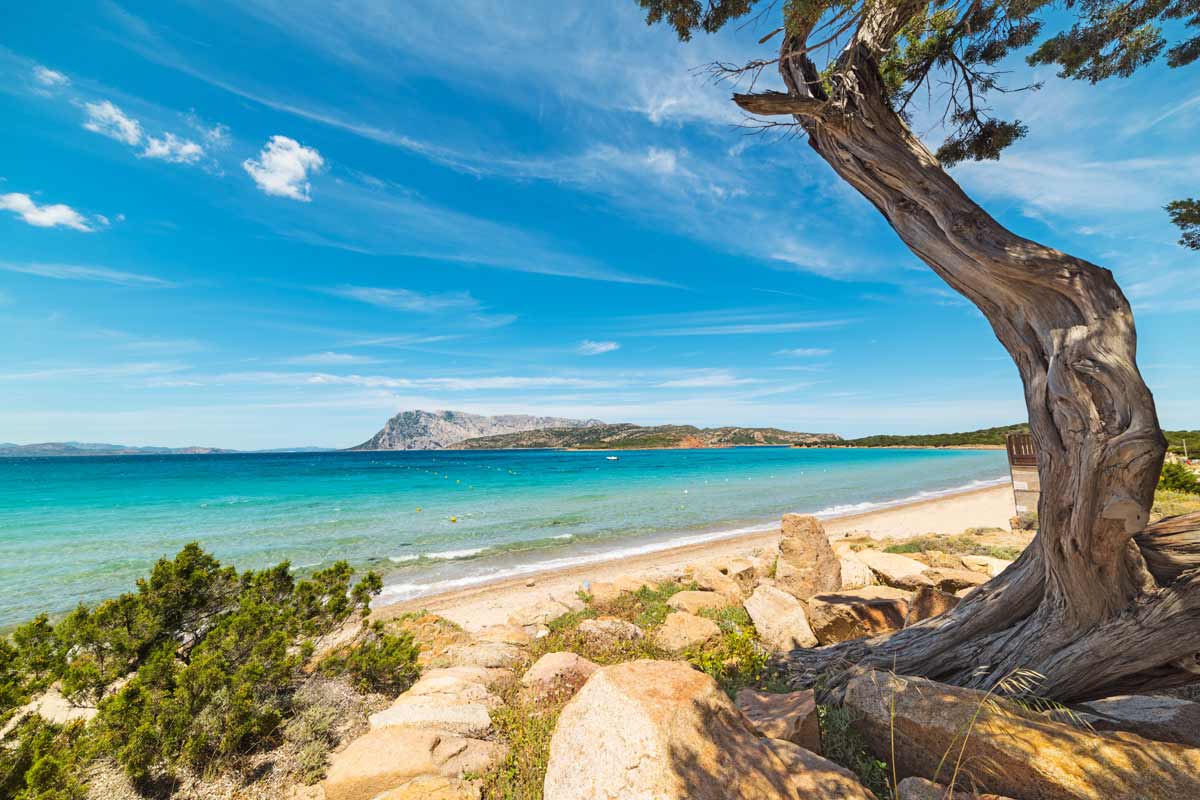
42 761
958 545
381 662
844 745
527 729
1170 504
1178 478
313 733
647 607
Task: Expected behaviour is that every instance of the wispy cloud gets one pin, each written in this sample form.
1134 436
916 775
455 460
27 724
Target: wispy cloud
804 352
51 215
709 379
283 168
76 272
107 119
590 348
49 78
329 358
407 300
170 147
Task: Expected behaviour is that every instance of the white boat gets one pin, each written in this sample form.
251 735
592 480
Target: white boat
612 458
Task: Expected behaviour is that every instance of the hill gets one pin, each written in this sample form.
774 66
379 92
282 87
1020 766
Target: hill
626 436
979 438
434 430
45 449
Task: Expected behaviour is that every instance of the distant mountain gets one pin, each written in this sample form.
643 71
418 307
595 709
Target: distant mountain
435 430
984 437
627 436
97 449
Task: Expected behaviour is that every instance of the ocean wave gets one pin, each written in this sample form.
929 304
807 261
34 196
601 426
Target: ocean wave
846 510
449 555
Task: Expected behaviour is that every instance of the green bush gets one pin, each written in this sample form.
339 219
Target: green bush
38 761
383 662
1178 478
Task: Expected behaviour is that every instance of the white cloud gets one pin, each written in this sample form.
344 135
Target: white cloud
283 168
589 348
74 272
47 216
406 299
330 358
49 78
804 352
109 120
172 148
714 379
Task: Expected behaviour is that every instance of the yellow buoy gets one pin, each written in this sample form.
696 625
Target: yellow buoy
418 509
454 519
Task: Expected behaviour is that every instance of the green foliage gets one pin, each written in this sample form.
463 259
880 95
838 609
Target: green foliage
527 729
211 660
686 16
1170 504
383 662
1186 215
984 436
958 545
1178 478
1184 442
40 761
842 744
313 733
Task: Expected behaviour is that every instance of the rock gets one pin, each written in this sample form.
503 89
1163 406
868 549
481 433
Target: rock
953 580
542 612
432 787
570 599
779 619
791 716
695 602
385 758
711 579
1009 750
992 566
491 677
928 602
744 571
807 564
485 654
661 730
437 712
921 789
452 690
609 630
1163 719
681 630
817 778
556 676
608 591
939 560
895 570
505 634
855 574
852 614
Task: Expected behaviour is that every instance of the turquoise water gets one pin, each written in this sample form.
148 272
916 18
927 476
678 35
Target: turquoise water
82 529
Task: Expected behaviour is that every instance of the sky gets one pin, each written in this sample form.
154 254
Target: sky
269 224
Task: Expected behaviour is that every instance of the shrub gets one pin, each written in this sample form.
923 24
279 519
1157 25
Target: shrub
39 761
383 662
842 744
1178 478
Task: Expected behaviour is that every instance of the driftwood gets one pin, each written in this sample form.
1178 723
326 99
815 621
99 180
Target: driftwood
1099 603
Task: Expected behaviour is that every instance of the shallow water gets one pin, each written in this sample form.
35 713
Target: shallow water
82 529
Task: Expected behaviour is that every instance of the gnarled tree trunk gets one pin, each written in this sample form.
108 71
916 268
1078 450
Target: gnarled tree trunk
1097 604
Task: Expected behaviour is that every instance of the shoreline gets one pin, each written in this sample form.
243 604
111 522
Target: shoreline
490 602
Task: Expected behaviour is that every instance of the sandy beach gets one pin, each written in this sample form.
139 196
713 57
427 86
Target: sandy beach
490 604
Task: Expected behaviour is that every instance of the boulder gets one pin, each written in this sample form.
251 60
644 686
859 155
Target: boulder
1163 719
855 613
556 676
436 712
895 570
695 602
662 730
452 690
807 564
939 560
542 612
1006 749
779 619
432 787
953 580
491 677
492 655
385 758
986 564
855 574
681 631
817 778
791 716
744 571
711 579
921 789
928 602
609 630
505 634
608 591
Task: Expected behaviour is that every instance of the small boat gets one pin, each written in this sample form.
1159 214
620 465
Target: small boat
612 458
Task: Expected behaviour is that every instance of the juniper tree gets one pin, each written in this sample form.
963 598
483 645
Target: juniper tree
1100 603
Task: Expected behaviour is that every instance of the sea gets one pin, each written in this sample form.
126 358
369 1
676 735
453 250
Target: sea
82 529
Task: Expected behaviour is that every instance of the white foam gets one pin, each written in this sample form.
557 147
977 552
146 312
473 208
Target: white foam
453 554
403 559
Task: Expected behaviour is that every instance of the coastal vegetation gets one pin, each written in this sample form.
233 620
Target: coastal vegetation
627 436
192 673
850 72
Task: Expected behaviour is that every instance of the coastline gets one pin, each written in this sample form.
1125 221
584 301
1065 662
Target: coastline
489 603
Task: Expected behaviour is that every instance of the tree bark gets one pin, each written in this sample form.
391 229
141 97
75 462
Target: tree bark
1080 607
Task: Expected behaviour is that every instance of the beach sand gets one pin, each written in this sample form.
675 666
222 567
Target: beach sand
490 604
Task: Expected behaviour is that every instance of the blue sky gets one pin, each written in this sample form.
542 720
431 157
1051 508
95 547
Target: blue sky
268 223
